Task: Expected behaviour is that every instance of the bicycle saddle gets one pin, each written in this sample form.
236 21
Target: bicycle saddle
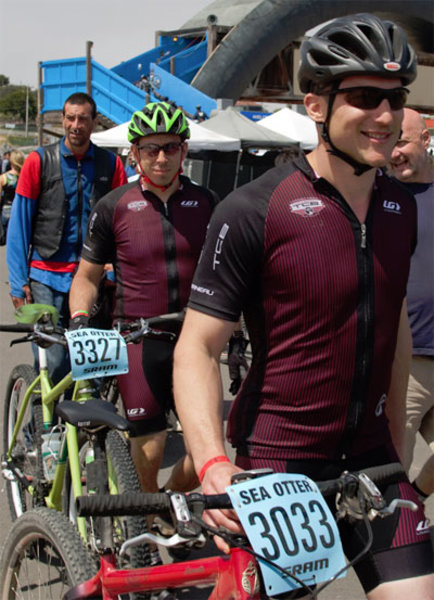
32 313
91 413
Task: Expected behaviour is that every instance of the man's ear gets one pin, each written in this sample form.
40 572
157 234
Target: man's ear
134 152
316 107
184 150
426 138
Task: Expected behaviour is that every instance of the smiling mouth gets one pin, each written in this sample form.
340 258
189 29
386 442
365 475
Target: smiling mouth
381 137
400 165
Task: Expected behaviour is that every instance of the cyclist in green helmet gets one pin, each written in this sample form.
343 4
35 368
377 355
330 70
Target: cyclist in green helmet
152 231
155 121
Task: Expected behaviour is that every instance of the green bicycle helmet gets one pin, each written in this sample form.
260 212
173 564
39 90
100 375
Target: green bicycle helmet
158 117
359 44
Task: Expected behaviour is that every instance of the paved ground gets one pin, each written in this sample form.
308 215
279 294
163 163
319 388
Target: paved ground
345 589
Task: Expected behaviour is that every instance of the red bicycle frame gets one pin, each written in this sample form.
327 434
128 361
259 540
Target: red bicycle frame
235 577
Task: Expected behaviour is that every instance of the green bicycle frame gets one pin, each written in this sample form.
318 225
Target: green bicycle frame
69 451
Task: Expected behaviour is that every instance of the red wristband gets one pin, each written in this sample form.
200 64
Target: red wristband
78 313
210 462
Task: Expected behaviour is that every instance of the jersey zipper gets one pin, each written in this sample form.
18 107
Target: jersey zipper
365 323
170 256
365 335
79 208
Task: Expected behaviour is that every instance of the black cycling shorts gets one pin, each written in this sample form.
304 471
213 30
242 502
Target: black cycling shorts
146 389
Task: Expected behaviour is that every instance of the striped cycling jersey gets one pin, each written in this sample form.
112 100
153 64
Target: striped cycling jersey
321 295
153 246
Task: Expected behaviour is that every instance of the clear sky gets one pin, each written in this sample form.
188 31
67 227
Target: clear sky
38 30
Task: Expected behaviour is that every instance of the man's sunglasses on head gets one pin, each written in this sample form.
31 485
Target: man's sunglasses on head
369 98
153 150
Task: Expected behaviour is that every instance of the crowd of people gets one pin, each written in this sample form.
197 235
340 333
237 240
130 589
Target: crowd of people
327 257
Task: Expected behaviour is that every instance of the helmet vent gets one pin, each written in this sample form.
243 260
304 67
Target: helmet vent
321 58
348 41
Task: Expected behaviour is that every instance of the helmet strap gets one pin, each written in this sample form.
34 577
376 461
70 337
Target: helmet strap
359 168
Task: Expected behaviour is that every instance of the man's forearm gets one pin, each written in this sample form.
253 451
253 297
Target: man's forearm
199 402
197 384
84 288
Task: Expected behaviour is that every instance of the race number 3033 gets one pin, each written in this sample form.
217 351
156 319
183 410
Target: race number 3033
96 353
288 524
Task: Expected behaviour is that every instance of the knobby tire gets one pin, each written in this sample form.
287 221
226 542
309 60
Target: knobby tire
43 556
27 452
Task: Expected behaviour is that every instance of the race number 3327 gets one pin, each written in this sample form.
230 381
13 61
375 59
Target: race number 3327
288 523
96 353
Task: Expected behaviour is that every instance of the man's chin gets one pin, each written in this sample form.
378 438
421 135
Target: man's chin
402 172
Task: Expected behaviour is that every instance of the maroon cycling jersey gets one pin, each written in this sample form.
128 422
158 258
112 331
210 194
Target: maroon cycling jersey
321 295
153 246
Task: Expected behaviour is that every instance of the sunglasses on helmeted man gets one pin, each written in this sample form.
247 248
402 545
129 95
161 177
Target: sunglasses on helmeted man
369 98
153 150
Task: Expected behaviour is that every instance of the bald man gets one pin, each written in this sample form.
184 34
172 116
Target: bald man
413 165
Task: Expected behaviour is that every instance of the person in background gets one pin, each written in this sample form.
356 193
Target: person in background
57 188
412 164
315 253
8 184
6 163
152 231
131 166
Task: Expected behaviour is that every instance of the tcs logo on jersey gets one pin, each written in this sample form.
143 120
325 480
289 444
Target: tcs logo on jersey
307 207
190 203
138 205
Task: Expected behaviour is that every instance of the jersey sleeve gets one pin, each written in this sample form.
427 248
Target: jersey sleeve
18 243
20 224
99 244
29 181
231 258
119 175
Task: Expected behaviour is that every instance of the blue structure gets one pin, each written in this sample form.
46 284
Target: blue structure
163 72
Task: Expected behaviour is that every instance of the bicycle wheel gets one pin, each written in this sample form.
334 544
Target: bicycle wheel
121 477
42 557
26 454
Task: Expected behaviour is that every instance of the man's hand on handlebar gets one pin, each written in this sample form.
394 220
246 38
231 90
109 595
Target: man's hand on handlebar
78 322
215 481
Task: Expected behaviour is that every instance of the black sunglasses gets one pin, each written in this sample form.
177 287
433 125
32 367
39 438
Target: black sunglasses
369 98
153 150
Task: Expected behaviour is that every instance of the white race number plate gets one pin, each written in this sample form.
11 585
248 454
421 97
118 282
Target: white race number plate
289 523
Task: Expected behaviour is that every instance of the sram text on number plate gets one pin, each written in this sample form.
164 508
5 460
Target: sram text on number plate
289 523
96 353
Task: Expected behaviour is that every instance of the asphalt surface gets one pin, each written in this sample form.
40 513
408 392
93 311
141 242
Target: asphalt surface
344 589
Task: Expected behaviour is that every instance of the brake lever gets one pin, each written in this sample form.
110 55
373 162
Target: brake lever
20 341
394 505
174 540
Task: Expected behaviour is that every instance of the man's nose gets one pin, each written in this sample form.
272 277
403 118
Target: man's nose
395 153
384 112
161 155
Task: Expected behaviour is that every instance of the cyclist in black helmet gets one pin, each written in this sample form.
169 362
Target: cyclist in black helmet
152 231
315 254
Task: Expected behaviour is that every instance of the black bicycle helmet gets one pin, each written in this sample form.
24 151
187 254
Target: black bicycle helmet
158 117
359 44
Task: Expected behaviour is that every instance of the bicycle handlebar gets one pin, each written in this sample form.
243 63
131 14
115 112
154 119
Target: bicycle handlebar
17 328
142 503
46 332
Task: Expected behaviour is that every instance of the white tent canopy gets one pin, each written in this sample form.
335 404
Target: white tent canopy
231 122
294 125
201 139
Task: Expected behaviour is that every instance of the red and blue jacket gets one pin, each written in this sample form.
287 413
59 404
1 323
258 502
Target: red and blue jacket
24 261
